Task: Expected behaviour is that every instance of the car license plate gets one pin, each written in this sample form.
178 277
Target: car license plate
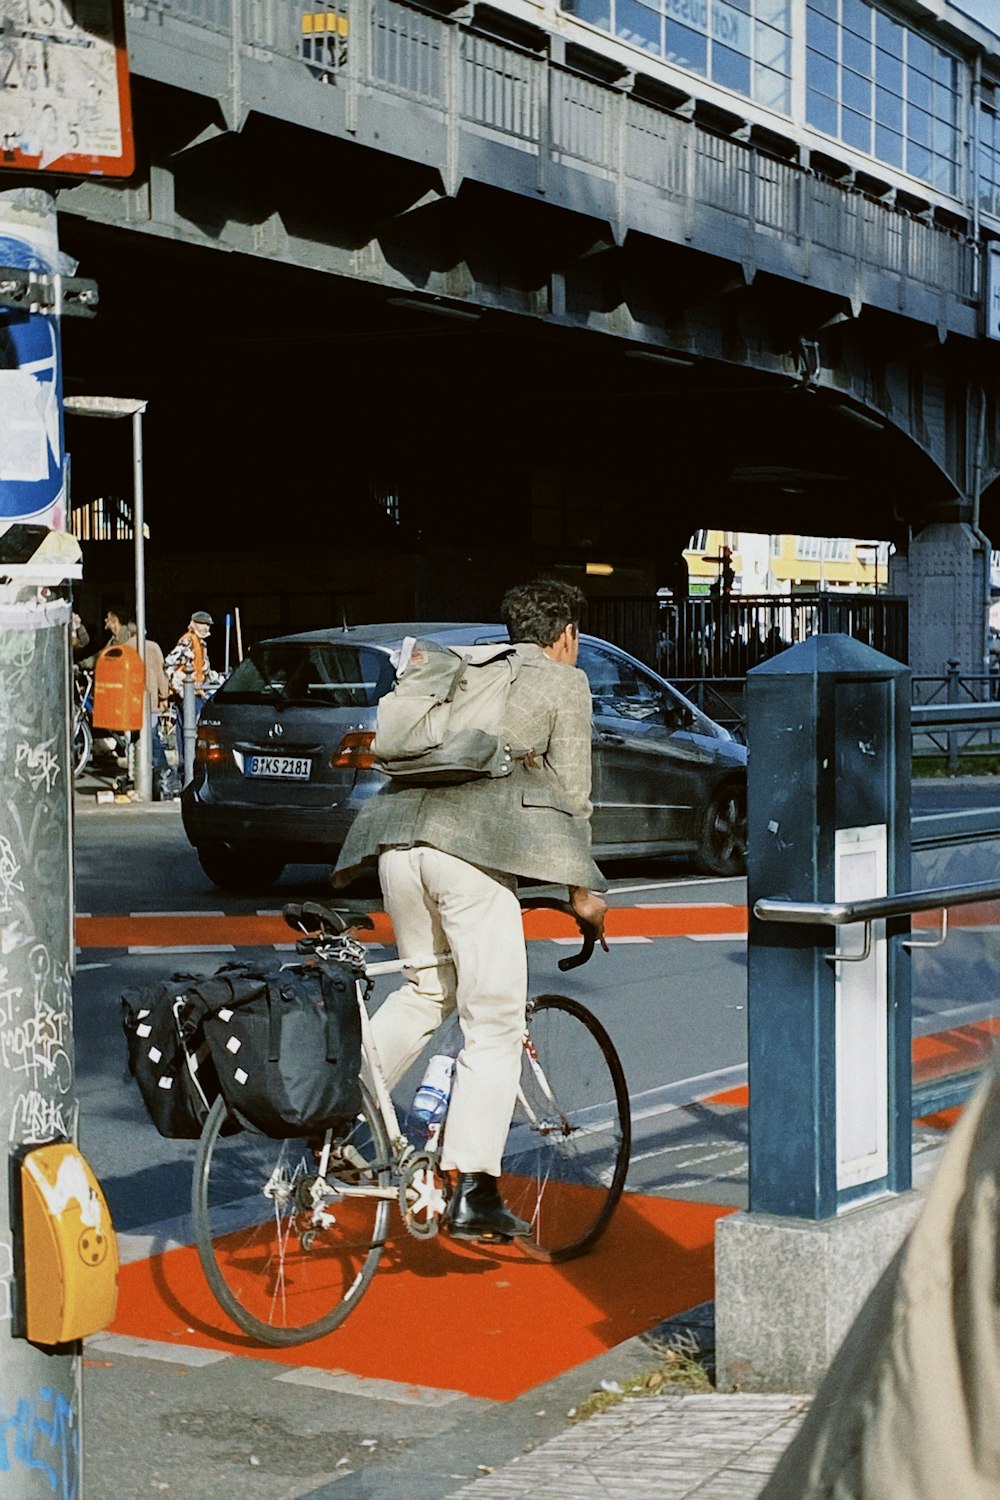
287 767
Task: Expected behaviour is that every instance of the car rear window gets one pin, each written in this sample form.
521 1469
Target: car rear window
329 676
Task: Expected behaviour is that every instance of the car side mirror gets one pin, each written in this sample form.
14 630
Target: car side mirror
676 715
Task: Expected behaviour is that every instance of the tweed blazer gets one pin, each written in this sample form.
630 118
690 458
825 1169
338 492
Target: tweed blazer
534 823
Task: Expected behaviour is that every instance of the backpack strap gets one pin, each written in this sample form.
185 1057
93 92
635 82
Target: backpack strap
459 674
274 999
510 656
273 1019
328 983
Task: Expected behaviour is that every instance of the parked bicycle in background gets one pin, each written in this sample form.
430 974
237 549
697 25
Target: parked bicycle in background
82 733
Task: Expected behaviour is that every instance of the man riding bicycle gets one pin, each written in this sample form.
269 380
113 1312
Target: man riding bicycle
449 858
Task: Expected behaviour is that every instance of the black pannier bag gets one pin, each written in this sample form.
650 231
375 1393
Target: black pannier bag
286 1044
168 1056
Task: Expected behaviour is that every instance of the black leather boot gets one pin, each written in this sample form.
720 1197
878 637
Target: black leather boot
477 1212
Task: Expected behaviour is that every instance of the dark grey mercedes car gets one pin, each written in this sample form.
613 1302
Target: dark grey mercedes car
283 759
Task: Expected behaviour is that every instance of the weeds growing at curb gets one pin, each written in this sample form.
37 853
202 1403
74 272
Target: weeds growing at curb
681 1369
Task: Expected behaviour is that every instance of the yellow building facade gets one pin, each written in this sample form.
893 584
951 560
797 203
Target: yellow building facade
786 564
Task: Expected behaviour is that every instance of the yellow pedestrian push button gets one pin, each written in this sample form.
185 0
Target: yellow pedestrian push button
68 1258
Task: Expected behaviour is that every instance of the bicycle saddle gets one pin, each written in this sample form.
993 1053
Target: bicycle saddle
314 917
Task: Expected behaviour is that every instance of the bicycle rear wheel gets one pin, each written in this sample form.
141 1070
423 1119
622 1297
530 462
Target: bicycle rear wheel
83 745
286 1256
567 1152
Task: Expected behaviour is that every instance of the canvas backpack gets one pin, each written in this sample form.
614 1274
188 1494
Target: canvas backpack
442 723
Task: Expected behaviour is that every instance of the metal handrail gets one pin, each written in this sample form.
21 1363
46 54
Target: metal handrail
874 908
929 716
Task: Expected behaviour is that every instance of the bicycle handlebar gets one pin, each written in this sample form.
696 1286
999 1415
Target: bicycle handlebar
315 919
587 931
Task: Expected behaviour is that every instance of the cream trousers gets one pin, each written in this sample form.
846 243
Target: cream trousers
439 903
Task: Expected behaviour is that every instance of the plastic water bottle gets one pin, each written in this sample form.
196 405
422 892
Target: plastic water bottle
431 1099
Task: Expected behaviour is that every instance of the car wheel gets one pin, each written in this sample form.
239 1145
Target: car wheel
239 869
724 839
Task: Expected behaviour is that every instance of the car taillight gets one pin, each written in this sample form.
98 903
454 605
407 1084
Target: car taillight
354 753
208 747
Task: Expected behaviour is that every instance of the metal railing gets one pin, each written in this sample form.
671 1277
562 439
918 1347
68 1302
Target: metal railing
559 115
965 705
725 635
939 1093
947 727
721 698
873 908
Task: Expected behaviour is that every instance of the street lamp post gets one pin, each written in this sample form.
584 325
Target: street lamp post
874 549
124 406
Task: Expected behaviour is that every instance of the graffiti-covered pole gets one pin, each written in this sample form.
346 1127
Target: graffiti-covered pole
39 1384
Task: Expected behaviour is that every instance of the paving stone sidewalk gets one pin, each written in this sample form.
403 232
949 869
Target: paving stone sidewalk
707 1446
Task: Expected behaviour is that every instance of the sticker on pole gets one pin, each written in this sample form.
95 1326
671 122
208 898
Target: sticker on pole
32 461
64 93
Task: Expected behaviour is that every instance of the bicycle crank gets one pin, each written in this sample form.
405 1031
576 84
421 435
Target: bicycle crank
421 1198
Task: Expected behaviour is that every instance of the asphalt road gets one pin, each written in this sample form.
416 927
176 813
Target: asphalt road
674 1009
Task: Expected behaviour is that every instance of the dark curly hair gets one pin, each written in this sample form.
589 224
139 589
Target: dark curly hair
540 611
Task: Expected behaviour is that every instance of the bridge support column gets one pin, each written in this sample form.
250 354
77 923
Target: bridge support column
828 1018
947 577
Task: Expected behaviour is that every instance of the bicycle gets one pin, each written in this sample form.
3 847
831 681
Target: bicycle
82 738
290 1233
165 724
82 735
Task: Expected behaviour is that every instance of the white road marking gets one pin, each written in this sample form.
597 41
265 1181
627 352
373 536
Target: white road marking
673 885
81 968
715 937
177 913
958 1015
692 1163
574 942
155 1239
137 949
376 1390
687 905
668 1097
172 1354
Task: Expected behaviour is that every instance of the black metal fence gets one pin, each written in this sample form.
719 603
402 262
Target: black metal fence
631 623
713 638
959 690
723 636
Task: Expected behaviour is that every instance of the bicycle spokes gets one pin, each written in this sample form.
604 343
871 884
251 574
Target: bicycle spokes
567 1152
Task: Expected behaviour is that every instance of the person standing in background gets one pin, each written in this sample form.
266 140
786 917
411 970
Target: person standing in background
188 662
79 637
158 693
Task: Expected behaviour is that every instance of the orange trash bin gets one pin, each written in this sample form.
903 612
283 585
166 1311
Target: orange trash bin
119 683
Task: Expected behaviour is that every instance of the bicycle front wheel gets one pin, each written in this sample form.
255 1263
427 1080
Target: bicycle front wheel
287 1253
568 1148
83 745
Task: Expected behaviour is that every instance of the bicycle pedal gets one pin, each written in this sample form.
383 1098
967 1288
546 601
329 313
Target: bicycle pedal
479 1236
